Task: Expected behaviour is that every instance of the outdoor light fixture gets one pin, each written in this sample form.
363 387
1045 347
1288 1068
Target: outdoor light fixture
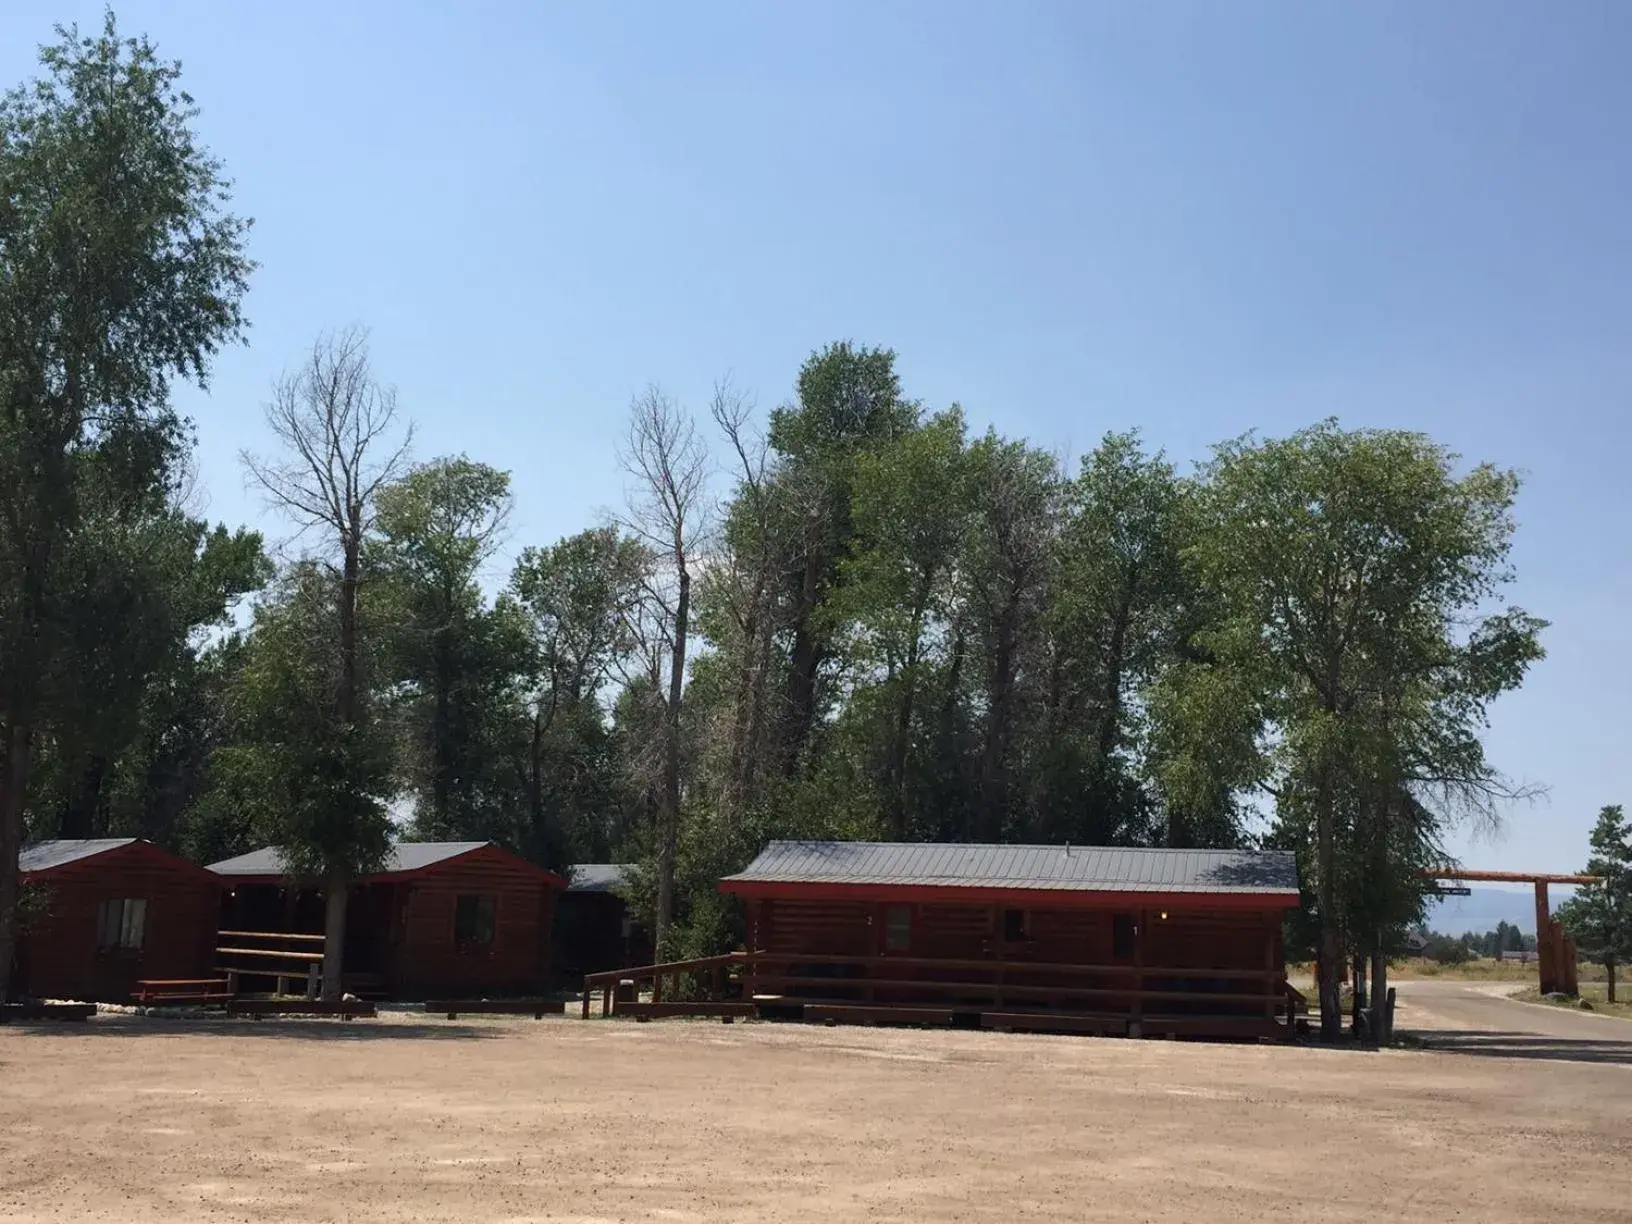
1164 915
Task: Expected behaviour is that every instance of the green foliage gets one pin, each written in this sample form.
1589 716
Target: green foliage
1344 566
1599 916
1444 950
120 270
452 665
313 782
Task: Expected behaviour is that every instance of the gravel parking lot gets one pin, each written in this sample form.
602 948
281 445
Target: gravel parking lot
408 1118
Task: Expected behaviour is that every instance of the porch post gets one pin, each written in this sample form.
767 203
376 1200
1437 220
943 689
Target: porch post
1545 958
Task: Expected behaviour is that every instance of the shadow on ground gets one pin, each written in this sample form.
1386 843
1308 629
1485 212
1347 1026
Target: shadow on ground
277 1029
1526 1045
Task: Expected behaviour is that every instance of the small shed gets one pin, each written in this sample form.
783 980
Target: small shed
594 928
1086 937
101 915
442 919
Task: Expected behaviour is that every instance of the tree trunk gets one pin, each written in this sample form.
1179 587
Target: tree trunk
1358 1010
803 664
1382 1029
441 735
81 814
1331 1006
1609 981
669 832
1330 959
14 741
1000 694
334 936
1110 724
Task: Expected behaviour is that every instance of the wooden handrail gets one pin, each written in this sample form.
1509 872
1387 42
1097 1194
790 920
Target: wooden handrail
270 935
277 952
1004 979
931 962
930 986
614 976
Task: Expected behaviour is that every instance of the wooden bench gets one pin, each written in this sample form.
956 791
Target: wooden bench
182 990
536 1008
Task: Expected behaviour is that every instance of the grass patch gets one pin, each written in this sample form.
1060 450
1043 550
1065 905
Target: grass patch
1593 994
1481 970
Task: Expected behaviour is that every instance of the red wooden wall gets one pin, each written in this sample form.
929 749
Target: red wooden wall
57 953
1191 938
426 961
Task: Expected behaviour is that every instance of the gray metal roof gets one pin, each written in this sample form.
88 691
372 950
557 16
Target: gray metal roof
1059 868
43 856
597 877
405 856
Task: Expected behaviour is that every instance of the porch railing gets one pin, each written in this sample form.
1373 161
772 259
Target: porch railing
739 980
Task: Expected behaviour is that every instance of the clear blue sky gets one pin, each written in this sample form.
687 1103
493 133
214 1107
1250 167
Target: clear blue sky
1196 219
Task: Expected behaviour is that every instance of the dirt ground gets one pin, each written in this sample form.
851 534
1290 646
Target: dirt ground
561 1120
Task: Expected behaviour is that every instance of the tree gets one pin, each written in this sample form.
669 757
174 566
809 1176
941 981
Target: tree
111 757
669 465
578 598
120 270
849 400
909 513
1599 916
335 423
1008 561
1348 566
454 662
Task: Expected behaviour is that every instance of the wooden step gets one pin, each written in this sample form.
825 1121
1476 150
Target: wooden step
1056 1022
845 1013
46 1011
300 1007
536 1008
655 1011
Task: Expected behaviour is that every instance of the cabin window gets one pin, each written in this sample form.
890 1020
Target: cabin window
1122 931
897 928
121 924
473 922
1014 926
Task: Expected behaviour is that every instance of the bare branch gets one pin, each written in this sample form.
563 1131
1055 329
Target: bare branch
331 417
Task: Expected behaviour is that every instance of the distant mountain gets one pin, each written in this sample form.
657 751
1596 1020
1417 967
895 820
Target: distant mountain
1483 908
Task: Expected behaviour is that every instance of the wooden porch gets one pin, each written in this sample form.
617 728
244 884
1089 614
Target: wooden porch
1110 1000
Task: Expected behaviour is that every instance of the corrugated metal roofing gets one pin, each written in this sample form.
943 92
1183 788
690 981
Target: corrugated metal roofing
406 856
597 877
1067 868
43 856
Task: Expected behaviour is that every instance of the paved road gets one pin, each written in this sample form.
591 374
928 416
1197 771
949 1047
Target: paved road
1480 1019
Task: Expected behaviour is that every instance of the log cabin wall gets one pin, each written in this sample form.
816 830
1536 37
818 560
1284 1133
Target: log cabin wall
59 954
831 928
589 935
1191 941
426 959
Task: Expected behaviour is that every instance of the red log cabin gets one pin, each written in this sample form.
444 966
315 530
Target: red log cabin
101 915
442 919
1076 938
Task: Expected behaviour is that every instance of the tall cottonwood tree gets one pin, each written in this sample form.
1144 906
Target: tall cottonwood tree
121 269
452 661
1351 567
667 463
341 443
